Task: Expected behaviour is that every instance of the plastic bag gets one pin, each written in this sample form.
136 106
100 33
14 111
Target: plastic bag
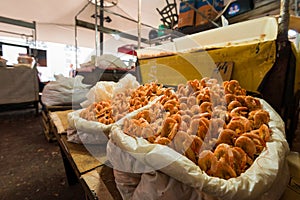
64 91
265 179
105 90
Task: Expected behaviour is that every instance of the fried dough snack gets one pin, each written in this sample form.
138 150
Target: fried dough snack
101 112
144 94
107 112
217 126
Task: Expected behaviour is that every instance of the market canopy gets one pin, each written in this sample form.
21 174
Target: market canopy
55 19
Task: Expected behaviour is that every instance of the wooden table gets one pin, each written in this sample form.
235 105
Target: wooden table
89 169
100 184
96 177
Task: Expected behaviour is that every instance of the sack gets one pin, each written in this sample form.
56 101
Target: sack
64 91
94 132
87 132
105 90
265 179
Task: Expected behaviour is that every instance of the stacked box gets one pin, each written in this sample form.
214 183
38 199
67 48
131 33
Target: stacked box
209 9
186 14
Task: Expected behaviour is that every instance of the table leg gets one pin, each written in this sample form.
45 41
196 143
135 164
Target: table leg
71 176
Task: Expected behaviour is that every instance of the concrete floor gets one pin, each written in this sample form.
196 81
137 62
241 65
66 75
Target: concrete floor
31 167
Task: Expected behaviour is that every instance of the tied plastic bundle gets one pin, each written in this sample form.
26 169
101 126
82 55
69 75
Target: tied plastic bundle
64 91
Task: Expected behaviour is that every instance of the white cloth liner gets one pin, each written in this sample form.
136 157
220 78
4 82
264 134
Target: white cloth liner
89 132
93 132
265 179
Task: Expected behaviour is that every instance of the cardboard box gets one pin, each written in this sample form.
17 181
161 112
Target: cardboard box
209 10
186 14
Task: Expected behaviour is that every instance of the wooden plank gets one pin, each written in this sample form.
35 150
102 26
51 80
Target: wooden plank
48 128
44 115
79 155
81 158
100 184
59 120
59 108
86 164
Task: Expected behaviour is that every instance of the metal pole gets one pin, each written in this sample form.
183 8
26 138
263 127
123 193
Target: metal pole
127 18
101 25
139 23
96 33
35 35
283 21
296 7
76 44
76 35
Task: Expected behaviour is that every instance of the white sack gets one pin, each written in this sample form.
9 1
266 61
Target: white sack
102 91
105 90
93 132
89 132
64 91
265 179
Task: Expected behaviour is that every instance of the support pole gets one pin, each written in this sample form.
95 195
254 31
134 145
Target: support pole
283 21
76 44
101 25
139 23
96 34
277 87
76 34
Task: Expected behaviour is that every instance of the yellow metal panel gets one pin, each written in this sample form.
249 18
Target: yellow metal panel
176 69
251 63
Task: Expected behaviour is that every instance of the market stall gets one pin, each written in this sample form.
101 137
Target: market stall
202 122
80 158
259 52
19 85
254 57
140 162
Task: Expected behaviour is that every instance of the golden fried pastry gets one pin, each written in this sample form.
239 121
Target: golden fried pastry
216 126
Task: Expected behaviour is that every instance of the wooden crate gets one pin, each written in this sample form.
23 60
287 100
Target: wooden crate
48 125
